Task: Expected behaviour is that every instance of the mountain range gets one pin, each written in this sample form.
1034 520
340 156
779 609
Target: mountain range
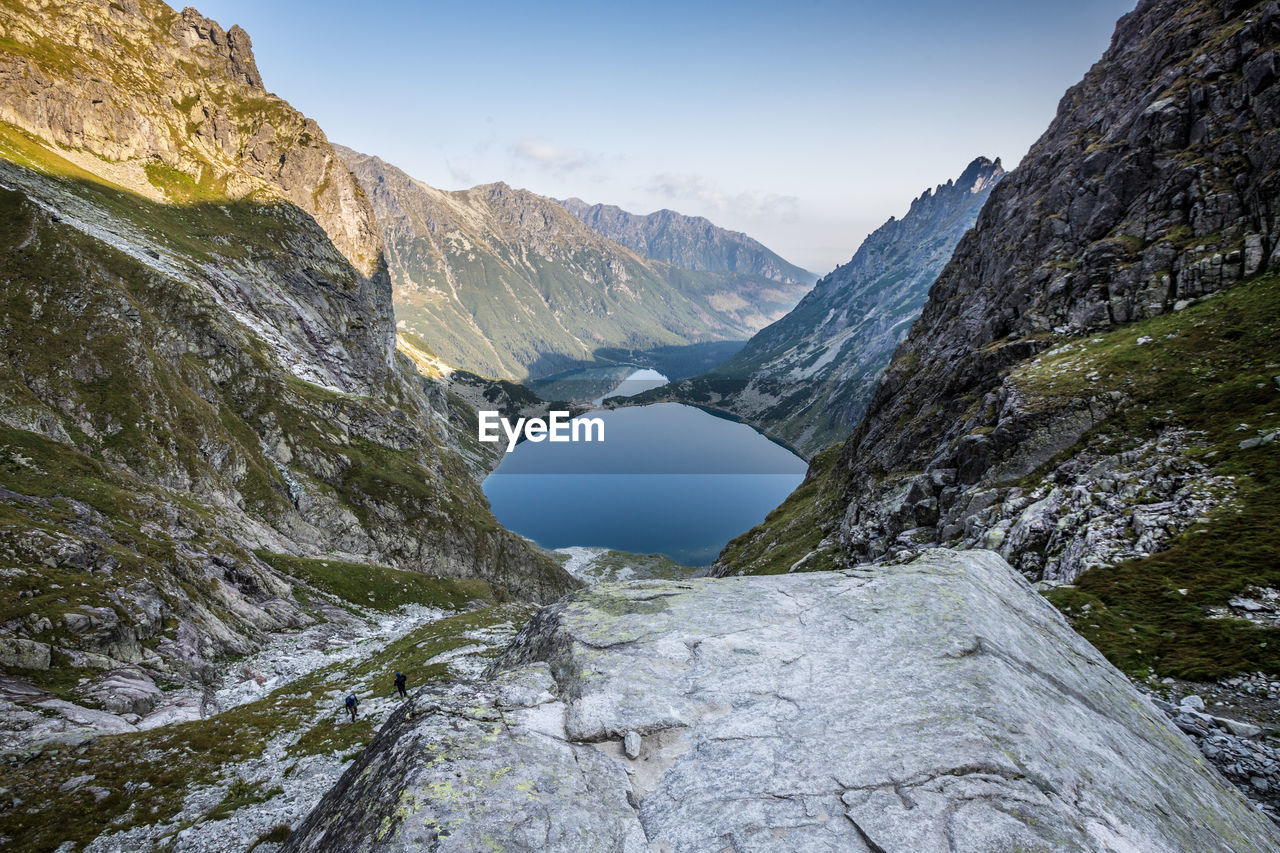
506 283
199 374
692 242
807 378
1030 602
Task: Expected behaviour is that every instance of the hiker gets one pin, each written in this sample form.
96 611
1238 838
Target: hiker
352 702
400 683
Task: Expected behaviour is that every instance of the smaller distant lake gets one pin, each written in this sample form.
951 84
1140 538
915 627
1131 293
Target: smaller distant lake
668 479
638 382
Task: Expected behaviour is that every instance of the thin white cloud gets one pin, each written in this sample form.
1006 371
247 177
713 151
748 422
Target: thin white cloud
709 196
552 158
459 174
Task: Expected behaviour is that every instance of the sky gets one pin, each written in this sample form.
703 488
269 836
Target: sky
806 124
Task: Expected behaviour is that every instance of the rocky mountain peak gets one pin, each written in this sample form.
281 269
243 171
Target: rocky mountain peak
1136 199
980 174
233 47
977 179
495 189
171 106
807 377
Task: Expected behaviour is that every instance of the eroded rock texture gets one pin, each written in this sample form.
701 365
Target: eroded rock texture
935 706
1152 185
171 105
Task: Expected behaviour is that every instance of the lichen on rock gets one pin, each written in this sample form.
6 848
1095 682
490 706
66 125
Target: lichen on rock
938 705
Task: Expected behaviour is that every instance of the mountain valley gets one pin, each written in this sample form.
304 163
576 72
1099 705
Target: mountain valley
1027 595
807 378
508 284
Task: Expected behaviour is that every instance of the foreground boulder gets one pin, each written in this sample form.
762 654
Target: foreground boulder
938 706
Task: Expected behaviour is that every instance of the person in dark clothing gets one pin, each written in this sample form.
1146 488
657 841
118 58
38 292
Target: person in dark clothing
401 680
353 702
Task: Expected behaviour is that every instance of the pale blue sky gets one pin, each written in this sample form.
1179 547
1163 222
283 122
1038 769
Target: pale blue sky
805 124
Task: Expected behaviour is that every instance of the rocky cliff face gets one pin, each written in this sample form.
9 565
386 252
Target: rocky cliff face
464 264
941 705
1151 188
807 378
171 106
192 392
692 242
1149 191
1090 388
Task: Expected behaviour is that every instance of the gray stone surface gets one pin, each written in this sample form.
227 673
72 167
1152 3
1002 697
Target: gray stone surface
23 654
631 743
940 705
125 691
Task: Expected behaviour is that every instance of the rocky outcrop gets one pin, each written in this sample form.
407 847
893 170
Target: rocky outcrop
692 242
465 263
229 54
940 705
172 106
1151 187
807 378
1149 192
1098 508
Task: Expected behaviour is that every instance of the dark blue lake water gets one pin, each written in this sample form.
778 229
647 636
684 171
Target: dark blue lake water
667 479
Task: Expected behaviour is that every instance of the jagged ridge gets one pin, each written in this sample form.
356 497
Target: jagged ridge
692 242
807 378
507 283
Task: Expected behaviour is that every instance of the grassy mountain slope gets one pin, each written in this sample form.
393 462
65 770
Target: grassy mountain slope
243 776
190 382
1211 370
507 283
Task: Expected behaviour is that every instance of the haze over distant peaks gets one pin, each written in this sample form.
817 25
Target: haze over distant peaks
807 378
693 242
505 282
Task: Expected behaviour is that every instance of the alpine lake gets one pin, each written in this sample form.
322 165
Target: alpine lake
667 479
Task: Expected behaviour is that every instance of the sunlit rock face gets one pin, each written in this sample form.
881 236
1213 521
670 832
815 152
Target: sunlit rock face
939 705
